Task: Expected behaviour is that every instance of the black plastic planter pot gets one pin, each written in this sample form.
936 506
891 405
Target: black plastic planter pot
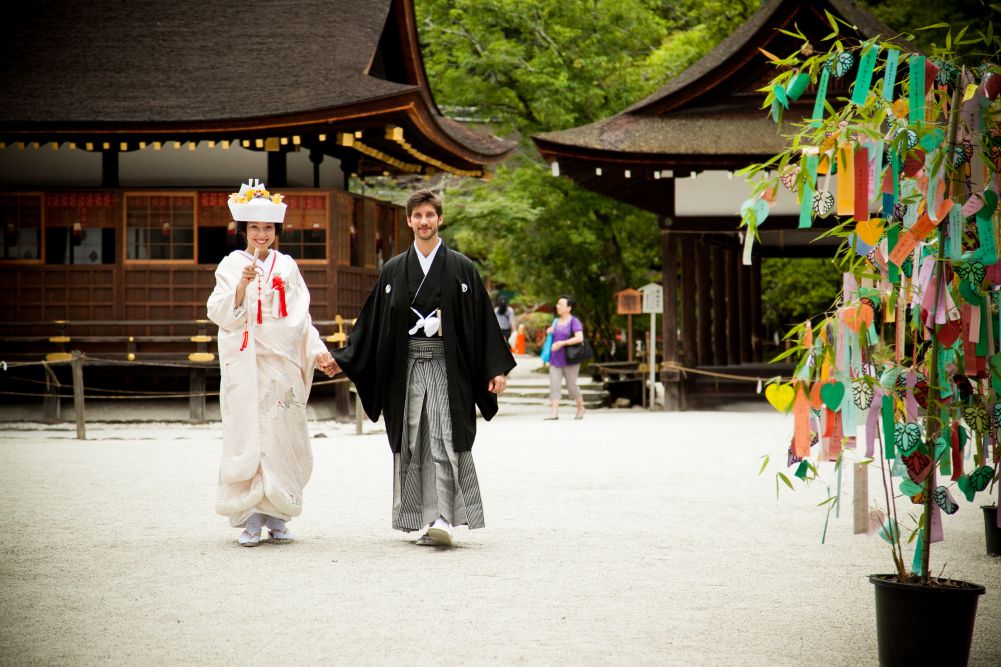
924 625
991 530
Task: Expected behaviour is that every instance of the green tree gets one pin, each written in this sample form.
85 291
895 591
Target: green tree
530 66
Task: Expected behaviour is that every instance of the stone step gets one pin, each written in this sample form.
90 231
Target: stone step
522 401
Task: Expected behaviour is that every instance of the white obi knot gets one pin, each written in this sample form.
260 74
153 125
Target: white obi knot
429 322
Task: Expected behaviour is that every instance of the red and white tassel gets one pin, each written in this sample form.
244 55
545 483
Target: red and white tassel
279 286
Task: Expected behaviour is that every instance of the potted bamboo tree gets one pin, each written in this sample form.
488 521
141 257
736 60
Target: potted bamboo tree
910 354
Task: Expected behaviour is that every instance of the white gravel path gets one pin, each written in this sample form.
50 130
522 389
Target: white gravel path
626 538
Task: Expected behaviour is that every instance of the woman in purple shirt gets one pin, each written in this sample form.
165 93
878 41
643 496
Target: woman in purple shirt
566 330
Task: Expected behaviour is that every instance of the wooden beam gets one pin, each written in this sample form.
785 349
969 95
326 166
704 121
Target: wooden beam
704 305
719 305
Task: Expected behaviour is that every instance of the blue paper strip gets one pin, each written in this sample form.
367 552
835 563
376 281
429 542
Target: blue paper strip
890 76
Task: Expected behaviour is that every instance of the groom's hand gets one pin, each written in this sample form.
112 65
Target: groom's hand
497 385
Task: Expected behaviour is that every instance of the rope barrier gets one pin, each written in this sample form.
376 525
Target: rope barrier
668 366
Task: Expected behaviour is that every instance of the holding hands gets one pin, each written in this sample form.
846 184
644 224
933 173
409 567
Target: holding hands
327 365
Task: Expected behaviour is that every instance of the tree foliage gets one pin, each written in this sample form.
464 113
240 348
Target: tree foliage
531 66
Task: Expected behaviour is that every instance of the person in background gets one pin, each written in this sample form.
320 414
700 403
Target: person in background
505 317
566 330
268 348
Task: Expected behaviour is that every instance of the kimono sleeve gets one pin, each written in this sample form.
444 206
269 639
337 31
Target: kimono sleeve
220 304
314 342
363 359
495 355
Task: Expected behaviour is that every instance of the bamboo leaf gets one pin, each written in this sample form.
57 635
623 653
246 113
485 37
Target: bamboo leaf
834 24
764 463
786 480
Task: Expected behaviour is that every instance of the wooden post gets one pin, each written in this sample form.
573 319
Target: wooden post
703 295
732 309
688 327
744 310
629 336
196 395
359 413
671 379
52 403
757 325
719 306
77 365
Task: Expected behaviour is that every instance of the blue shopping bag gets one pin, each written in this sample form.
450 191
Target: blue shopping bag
547 347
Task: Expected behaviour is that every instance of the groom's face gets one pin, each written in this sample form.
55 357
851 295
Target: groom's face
424 220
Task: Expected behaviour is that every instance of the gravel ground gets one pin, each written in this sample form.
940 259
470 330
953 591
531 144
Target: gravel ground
626 538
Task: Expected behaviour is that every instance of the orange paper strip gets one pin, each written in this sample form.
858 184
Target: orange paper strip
801 421
846 179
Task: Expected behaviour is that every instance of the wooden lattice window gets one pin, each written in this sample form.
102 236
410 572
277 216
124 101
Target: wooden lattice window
160 227
21 226
80 228
304 234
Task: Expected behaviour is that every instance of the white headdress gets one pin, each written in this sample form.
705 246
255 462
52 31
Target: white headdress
253 203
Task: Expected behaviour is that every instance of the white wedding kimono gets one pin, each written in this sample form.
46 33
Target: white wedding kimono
266 456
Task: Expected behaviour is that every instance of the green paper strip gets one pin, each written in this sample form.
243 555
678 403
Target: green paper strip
909 488
891 243
985 229
887 414
890 75
798 85
864 78
917 97
818 105
802 469
943 379
956 233
806 206
919 565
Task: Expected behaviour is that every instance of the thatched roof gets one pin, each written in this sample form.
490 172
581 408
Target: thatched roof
707 117
206 66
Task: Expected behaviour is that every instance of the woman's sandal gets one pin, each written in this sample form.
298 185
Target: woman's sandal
280 536
249 540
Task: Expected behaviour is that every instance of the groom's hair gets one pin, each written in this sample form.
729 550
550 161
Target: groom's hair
421 197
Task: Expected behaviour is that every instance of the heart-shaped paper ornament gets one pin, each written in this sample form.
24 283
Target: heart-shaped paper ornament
907 437
780 396
870 231
832 394
823 204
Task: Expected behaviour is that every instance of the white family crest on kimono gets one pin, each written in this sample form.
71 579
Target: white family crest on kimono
264 385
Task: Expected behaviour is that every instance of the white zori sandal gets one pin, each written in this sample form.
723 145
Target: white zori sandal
251 535
277 531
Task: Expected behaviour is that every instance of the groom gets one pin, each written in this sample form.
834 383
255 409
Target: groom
425 350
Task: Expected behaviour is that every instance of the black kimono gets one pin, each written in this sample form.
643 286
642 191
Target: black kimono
475 351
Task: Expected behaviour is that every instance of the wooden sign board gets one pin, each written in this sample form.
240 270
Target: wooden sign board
629 302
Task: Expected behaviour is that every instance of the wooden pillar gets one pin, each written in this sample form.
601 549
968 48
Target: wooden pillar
704 307
277 170
671 379
316 157
757 326
196 395
109 168
78 406
719 305
688 325
744 309
730 260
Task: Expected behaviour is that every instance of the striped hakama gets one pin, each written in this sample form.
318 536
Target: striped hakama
431 479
